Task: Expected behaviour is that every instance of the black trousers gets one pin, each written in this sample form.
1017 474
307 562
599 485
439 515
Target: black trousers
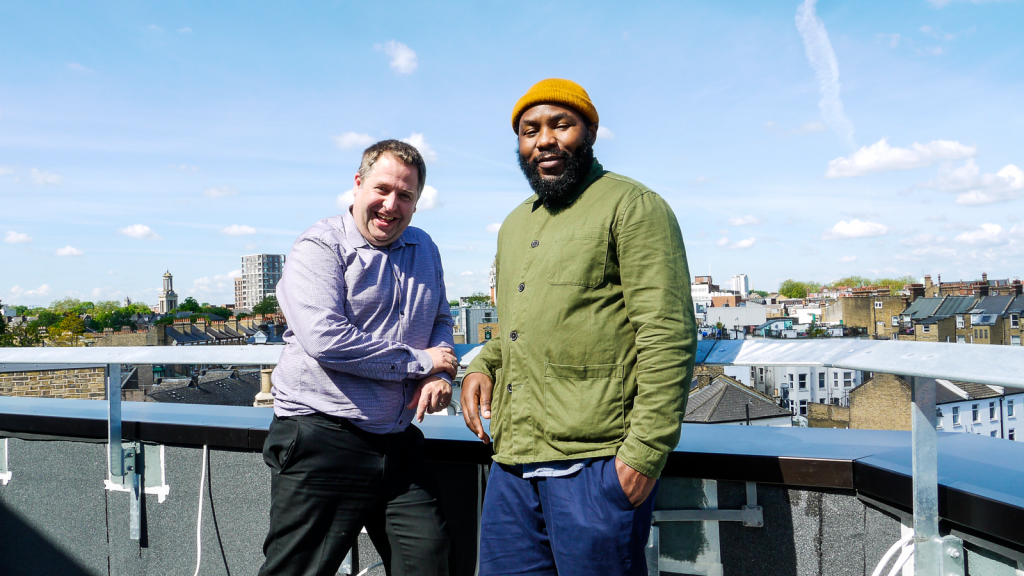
329 479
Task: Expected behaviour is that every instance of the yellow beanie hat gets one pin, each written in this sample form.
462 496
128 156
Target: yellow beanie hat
555 91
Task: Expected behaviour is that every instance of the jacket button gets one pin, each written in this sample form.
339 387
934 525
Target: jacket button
514 335
534 244
522 286
509 387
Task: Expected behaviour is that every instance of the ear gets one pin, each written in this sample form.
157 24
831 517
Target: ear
593 132
358 180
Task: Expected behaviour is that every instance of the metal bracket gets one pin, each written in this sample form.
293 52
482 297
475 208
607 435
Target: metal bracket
751 515
952 556
133 477
114 419
5 472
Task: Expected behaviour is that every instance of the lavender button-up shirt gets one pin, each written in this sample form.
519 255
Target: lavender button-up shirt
359 320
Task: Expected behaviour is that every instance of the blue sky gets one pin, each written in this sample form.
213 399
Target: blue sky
800 140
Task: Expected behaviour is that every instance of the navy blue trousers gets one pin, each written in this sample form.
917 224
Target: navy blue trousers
581 524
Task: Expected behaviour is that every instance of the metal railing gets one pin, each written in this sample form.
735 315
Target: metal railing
995 365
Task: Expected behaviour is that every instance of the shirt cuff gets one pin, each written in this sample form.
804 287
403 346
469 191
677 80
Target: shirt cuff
422 366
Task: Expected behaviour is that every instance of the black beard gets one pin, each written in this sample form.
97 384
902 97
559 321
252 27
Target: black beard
560 191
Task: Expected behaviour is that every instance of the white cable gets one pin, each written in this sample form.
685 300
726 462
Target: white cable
905 556
199 517
366 570
885 558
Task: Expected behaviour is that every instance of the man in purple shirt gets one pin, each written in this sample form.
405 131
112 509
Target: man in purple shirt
368 348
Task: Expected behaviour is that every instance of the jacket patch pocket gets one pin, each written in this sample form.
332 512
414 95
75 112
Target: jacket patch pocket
579 257
584 403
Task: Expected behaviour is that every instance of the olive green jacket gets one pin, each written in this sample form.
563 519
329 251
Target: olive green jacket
597 341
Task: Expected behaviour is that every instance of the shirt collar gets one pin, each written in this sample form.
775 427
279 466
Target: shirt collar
356 239
596 171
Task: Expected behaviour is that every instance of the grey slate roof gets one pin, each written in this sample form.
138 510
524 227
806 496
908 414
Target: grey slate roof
944 395
217 387
954 305
993 304
723 401
922 308
1017 305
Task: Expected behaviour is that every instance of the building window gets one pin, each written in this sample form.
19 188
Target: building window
992 433
956 415
991 410
790 380
986 332
878 305
926 328
959 321
835 401
803 407
895 320
821 381
1014 340
1014 321
1009 408
835 379
1012 435
975 413
961 339
803 381
847 379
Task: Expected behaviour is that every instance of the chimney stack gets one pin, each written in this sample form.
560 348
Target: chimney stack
264 397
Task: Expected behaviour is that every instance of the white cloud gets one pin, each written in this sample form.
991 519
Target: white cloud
140 231
13 237
977 188
185 30
220 192
217 284
419 141
809 127
880 157
855 229
919 240
345 199
78 67
743 244
467 273
41 178
69 251
823 61
722 242
238 230
428 199
847 259
941 3
350 140
985 234
748 220
403 58
5 170
604 133
493 228
43 290
184 168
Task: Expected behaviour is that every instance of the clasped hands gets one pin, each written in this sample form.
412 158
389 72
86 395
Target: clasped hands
476 403
434 393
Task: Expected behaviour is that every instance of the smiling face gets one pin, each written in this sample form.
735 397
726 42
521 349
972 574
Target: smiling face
555 150
385 200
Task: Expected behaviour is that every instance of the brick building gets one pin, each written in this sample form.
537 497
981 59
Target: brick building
881 403
876 313
82 381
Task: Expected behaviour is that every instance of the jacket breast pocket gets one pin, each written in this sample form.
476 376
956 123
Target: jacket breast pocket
579 257
584 403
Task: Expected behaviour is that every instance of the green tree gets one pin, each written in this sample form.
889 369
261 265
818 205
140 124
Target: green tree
851 281
189 305
64 305
761 293
267 306
478 298
44 319
895 284
66 332
796 289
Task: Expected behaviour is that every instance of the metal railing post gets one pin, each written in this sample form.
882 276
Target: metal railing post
927 544
114 420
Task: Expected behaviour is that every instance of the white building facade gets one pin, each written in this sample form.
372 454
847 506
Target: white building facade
741 284
797 386
998 416
168 297
260 275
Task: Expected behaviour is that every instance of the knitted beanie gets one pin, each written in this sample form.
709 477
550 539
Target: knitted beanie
555 91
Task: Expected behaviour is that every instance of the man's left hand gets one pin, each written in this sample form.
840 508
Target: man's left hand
433 395
636 485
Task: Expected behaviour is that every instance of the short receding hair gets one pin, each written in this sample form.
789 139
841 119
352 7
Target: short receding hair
405 153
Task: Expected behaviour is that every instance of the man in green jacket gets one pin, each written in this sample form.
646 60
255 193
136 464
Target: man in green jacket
587 383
